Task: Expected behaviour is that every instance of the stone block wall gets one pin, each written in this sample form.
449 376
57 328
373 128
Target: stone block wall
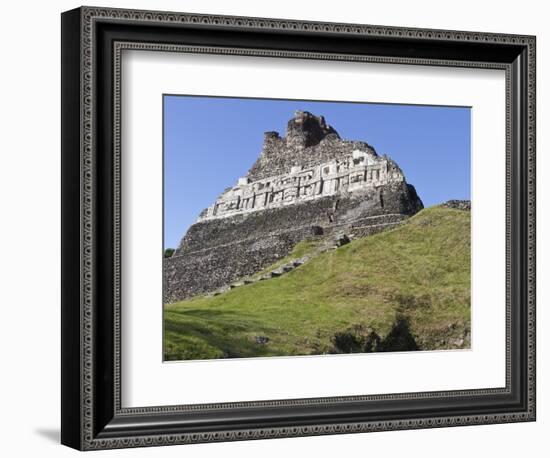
216 252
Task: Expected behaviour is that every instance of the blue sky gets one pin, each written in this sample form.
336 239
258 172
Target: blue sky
210 142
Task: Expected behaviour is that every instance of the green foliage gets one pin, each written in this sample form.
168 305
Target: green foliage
417 275
168 252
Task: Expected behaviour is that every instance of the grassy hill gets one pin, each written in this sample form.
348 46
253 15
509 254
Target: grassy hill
404 289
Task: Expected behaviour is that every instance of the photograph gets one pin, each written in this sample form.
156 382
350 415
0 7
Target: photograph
308 228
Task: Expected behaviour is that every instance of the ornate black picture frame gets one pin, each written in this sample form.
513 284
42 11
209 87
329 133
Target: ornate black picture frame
92 415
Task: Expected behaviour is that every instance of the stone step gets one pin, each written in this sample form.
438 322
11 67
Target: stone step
273 274
334 244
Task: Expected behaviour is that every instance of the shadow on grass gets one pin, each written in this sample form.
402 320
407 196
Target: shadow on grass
359 339
212 334
400 338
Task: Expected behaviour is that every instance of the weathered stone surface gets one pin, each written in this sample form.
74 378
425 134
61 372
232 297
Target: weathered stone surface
309 184
301 168
342 239
308 141
458 204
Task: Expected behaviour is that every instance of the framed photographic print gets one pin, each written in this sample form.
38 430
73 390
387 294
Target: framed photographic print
279 228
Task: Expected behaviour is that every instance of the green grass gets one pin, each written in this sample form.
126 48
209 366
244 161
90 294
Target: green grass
418 273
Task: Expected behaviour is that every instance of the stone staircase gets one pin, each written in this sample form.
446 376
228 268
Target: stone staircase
285 268
332 244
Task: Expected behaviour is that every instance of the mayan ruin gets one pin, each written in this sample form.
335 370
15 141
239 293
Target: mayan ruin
308 183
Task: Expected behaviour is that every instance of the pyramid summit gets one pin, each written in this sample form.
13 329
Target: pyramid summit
308 184
310 162
308 140
307 129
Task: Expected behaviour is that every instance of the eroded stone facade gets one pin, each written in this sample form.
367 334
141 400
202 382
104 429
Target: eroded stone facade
355 172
